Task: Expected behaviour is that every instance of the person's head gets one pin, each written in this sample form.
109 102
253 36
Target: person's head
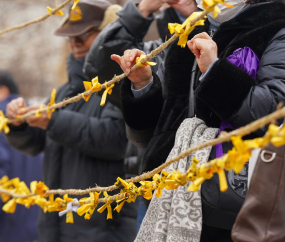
85 22
8 85
185 7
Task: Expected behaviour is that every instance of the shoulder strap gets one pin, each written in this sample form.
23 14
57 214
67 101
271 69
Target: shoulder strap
191 93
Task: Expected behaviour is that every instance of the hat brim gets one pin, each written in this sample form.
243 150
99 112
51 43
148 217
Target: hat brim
76 29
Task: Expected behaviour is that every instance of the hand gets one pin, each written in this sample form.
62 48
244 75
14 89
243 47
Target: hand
40 122
142 75
14 108
205 50
147 7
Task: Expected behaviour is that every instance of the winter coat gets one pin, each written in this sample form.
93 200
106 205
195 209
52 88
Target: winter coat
84 145
127 32
14 164
225 93
132 161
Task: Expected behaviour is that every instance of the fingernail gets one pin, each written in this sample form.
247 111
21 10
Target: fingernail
131 58
128 64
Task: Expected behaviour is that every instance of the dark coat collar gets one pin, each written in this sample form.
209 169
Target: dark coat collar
254 28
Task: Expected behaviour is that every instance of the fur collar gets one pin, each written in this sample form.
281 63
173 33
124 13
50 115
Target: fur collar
254 28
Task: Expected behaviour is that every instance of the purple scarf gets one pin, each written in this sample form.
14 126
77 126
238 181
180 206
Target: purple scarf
245 59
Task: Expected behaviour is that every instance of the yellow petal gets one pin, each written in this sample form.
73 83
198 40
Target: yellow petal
185 29
88 86
74 4
38 114
119 206
3 123
121 183
159 192
278 141
49 10
138 61
52 102
104 96
83 209
109 215
223 180
96 86
89 213
4 179
69 217
101 210
10 206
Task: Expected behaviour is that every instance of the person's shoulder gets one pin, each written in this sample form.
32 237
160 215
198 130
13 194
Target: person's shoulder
280 35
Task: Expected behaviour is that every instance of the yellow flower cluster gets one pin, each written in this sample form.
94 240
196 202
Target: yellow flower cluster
3 123
183 30
138 61
234 159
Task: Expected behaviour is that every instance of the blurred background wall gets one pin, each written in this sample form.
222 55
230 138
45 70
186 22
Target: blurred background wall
34 56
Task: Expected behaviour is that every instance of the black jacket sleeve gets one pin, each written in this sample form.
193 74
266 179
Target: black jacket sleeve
100 137
238 97
141 114
126 33
28 140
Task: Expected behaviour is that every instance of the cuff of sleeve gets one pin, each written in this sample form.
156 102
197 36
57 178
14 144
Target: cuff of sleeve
224 88
142 91
133 20
205 74
142 112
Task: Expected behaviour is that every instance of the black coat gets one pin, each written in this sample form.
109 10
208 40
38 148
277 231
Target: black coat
84 145
226 93
127 32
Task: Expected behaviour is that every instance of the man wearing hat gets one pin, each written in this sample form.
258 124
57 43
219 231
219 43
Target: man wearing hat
84 144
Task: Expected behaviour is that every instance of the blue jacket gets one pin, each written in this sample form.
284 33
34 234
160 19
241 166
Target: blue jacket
20 226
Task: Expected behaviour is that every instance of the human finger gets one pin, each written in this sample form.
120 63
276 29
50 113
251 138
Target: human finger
121 62
202 35
126 58
28 109
135 53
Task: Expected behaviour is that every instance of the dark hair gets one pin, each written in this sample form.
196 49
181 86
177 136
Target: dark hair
6 79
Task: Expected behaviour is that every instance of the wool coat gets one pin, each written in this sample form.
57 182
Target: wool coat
84 145
226 93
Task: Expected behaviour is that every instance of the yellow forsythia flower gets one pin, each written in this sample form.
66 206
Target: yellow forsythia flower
104 96
58 12
94 85
3 123
75 3
52 102
138 61
211 6
38 114
185 29
10 206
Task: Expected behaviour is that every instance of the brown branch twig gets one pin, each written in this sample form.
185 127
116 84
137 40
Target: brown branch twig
37 20
222 138
114 79
15 195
